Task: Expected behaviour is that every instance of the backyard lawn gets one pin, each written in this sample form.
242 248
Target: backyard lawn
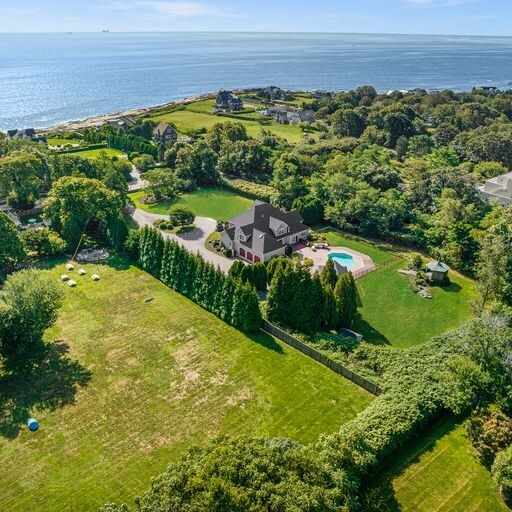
444 476
131 384
216 203
392 313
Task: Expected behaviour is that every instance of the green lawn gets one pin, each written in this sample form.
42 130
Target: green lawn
95 153
215 203
446 477
163 375
63 142
194 118
391 312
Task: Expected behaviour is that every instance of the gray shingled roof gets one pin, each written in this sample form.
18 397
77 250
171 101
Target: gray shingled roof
259 215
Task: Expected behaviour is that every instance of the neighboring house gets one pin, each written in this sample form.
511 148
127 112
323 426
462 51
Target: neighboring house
28 133
164 134
262 232
122 122
284 114
275 93
498 189
226 100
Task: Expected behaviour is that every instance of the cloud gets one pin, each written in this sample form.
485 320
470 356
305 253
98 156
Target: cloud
177 9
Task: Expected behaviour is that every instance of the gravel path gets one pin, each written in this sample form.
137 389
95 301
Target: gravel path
193 241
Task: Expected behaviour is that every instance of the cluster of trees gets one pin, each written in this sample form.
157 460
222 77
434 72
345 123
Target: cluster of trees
309 303
230 299
15 247
29 303
27 171
76 206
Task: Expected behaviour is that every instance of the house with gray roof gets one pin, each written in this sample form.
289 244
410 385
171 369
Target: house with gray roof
165 134
498 189
262 232
226 100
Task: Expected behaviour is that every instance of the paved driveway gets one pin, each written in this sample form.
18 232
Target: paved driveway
193 241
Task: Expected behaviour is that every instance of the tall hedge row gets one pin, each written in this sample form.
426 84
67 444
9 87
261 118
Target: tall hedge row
189 274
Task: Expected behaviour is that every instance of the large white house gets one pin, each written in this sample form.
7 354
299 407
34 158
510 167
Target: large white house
263 232
498 189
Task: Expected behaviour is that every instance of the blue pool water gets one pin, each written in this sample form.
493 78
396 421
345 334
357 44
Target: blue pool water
342 258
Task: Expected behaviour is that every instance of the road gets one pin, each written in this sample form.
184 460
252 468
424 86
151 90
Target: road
193 241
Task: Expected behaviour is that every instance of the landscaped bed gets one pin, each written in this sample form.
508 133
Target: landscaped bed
164 375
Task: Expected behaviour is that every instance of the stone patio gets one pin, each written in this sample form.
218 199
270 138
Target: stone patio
363 264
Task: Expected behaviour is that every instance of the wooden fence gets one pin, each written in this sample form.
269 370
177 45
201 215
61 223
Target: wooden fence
287 338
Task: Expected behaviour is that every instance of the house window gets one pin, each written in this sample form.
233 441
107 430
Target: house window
242 237
249 256
257 259
242 253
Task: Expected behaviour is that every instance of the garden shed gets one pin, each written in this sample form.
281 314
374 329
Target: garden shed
437 271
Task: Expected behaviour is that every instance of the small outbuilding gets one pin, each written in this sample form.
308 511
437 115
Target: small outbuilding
437 271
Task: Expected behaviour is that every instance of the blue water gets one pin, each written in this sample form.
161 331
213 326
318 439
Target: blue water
343 259
50 78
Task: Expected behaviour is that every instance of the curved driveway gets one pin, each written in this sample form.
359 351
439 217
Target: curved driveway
193 241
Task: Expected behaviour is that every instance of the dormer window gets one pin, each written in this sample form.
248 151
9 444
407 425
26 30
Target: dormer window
242 237
281 231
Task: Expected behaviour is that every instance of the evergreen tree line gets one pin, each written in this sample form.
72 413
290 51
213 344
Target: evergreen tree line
310 303
255 274
131 143
230 299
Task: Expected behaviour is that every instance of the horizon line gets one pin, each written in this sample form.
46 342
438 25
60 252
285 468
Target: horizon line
108 31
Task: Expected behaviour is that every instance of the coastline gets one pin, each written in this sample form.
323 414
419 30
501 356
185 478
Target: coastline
90 122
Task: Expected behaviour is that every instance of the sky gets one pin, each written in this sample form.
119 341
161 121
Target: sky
466 17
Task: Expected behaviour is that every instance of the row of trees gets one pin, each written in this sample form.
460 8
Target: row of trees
230 299
131 143
309 303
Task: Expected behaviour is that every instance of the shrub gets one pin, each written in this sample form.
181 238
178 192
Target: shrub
228 253
249 189
502 473
164 224
490 432
181 216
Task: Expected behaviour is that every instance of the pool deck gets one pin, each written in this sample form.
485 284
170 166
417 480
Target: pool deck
363 264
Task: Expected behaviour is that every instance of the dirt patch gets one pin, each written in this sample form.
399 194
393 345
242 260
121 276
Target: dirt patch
116 354
239 398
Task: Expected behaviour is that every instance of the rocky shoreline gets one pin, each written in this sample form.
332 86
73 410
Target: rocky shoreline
92 121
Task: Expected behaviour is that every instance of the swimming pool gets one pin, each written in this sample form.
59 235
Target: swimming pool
342 258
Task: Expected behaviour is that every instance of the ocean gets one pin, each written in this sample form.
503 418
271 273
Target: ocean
47 79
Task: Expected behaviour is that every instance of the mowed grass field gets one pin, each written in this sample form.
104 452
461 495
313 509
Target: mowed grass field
196 116
216 203
95 153
161 376
444 477
392 313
